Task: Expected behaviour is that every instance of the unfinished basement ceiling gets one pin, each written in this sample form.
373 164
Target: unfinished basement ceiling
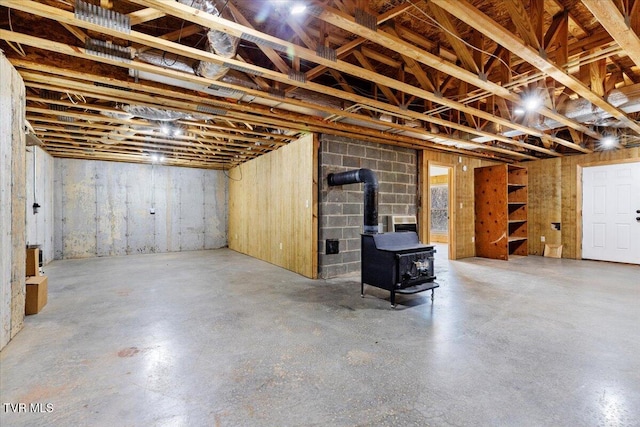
212 84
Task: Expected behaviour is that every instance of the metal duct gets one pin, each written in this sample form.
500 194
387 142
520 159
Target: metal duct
218 42
166 61
582 111
370 193
151 113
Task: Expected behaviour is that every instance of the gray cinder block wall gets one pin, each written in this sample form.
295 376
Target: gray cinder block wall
340 209
105 209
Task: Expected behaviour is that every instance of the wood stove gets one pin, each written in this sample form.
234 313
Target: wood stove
397 262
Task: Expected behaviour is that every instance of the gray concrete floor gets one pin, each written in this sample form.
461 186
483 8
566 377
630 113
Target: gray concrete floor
217 338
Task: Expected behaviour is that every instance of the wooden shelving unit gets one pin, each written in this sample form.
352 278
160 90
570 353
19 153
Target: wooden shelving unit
501 211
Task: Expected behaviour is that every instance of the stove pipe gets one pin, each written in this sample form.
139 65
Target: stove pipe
370 193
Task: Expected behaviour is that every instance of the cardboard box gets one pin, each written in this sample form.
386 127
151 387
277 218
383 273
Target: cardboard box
553 251
33 262
36 294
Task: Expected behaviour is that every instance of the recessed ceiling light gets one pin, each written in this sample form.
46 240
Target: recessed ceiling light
154 157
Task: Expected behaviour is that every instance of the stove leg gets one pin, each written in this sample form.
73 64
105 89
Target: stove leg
432 292
361 289
393 299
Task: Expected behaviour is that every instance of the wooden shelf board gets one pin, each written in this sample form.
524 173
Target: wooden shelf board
516 239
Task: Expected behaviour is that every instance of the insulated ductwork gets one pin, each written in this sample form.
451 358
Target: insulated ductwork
151 113
220 43
370 193
582 111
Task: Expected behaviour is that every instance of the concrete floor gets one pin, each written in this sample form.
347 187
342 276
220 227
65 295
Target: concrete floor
217 338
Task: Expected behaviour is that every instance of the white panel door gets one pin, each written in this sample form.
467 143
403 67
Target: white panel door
611 213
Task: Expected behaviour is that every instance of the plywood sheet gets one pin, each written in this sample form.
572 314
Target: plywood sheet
273 207
491 212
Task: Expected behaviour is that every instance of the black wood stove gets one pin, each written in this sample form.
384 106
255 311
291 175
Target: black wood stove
397 262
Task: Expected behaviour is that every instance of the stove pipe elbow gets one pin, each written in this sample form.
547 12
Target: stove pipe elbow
368 177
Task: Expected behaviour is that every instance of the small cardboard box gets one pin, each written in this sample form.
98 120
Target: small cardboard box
33 262
36 294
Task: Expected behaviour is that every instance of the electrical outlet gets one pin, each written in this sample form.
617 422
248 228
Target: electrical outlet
542 239
152 211
460 205
280 245
473 239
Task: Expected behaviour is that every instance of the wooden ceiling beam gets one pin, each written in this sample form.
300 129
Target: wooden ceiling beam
273 56
79 52
389 95
396 44
451 33
478 20
109 94
193 15
606 12
186 31
308 125
347 48
145 15
301 33
79 34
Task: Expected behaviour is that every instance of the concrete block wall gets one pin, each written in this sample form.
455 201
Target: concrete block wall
12 201
104 209
39 184
340 209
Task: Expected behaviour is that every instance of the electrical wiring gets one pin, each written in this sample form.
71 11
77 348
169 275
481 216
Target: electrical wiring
19 50
435 23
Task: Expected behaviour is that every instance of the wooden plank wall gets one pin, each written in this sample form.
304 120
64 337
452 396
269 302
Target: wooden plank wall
462 198
545 203
273 214
555 195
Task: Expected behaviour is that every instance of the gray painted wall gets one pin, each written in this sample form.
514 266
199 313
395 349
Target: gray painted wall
104 209
341 208
40 225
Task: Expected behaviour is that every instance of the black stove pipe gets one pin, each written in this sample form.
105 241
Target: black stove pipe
370 193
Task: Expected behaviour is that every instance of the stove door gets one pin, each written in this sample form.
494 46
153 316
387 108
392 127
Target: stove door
414 268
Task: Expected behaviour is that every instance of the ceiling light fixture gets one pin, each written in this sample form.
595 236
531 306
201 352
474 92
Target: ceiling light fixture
608 141
298 8
518 111
166 130
155 158
532 103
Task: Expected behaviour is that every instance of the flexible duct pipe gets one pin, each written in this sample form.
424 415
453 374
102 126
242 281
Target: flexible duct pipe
370 193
